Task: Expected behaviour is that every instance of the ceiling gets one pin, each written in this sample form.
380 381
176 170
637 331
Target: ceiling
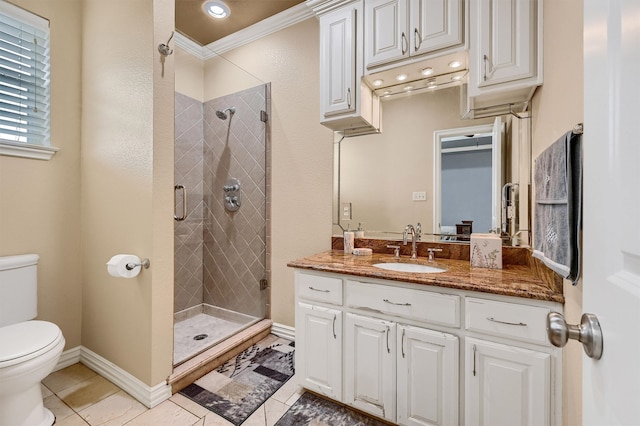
193 22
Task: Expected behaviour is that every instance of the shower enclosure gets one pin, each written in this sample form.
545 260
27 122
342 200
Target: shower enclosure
221 232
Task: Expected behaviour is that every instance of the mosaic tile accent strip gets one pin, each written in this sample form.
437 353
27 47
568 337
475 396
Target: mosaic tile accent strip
311 409
244 383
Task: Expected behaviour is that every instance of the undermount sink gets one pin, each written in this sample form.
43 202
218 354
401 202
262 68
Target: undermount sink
409 267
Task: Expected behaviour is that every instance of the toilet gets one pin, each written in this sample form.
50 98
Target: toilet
29 349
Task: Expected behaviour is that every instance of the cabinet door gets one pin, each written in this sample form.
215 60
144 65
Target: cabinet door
506 385
427 377
385 31
370 381
435 25
319 349
338 39
505 33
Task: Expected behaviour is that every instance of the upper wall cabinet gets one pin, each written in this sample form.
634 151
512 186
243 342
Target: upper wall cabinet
396 30
346 104
505 55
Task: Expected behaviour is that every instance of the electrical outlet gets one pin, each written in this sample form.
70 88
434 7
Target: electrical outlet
419 196
346 211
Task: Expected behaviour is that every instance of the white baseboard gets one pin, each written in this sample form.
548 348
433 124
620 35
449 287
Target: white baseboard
283 331
150 396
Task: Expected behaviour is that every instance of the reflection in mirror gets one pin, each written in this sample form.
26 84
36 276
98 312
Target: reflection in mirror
468 178
386 181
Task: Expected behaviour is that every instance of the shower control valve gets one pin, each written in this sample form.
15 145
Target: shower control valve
231 188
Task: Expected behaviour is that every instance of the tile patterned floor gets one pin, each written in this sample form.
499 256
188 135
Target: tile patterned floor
78 396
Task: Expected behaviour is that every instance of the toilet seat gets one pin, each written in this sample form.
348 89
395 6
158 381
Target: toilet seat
27 340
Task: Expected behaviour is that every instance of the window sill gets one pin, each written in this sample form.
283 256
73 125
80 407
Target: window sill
27 151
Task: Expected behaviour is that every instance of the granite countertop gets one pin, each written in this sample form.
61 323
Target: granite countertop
513 280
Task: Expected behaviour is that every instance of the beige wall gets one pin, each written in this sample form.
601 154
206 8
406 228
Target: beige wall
40 200
189 74
557 107
127 183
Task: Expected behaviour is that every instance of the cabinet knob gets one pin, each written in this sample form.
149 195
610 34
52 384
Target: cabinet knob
588 332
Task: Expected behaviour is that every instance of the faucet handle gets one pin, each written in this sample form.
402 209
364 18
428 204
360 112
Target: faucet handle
432 251
396 251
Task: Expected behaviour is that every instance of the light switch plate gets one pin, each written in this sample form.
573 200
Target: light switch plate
419 196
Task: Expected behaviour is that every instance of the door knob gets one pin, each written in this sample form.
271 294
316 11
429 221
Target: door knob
588 332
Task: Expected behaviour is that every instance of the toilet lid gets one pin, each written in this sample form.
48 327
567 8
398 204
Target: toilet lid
20 340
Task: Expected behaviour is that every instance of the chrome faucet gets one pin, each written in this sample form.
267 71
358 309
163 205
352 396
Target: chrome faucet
415 236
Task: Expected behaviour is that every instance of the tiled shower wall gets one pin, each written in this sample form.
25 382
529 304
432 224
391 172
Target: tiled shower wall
234 247
220 256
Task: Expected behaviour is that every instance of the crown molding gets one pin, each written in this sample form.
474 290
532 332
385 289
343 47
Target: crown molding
256 31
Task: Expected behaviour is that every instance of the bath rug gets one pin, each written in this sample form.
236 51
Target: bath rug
241 385
312 409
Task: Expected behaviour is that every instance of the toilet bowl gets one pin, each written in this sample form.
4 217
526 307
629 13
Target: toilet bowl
29 351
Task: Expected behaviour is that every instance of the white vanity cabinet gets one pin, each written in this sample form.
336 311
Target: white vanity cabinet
318 355
346 103
505 53
423 355
506 385
395 30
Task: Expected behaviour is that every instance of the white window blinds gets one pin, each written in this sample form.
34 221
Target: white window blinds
24 78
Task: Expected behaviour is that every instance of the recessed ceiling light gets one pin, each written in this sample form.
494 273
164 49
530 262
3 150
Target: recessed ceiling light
377 82
427 71
217 9
401 77
455 64
432 84
386 92
456 78
408 88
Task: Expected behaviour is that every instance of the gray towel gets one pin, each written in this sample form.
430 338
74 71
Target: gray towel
558 206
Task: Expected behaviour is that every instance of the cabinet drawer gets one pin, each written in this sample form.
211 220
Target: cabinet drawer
318 288
420 305
511 320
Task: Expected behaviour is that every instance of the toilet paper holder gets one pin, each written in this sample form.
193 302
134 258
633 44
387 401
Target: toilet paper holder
144 263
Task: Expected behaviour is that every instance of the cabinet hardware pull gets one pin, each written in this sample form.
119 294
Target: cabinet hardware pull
320 290
335 336
388 348
184 202
417 39
474 360
349 97
520 324
402 345
404 43
394 303
485 74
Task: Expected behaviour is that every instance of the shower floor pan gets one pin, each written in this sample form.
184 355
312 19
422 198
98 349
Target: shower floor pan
197 329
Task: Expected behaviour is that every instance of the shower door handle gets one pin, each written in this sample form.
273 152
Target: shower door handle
184 202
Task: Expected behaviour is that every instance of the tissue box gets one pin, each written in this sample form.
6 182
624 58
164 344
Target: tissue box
486 251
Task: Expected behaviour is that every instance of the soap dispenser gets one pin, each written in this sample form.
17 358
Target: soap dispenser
349 240
360 231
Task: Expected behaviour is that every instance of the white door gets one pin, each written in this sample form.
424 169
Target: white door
318 355
370 380
435 25
611 385
506 385
427 377
385 31
337 61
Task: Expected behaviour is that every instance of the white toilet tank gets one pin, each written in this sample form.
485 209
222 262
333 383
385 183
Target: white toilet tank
18 288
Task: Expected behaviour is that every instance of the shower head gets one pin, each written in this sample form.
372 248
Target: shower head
222 115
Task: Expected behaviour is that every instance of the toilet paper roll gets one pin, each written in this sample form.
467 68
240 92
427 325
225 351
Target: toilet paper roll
117 266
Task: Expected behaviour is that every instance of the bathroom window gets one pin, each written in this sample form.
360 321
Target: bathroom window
24 84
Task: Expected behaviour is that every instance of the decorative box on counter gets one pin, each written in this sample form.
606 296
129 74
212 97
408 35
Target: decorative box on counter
486 251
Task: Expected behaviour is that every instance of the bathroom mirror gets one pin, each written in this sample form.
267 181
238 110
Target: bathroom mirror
386 181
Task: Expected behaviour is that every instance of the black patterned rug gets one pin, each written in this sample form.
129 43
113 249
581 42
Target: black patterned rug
239 386
312 409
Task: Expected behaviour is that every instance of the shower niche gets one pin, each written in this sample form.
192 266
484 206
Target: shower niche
221 246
